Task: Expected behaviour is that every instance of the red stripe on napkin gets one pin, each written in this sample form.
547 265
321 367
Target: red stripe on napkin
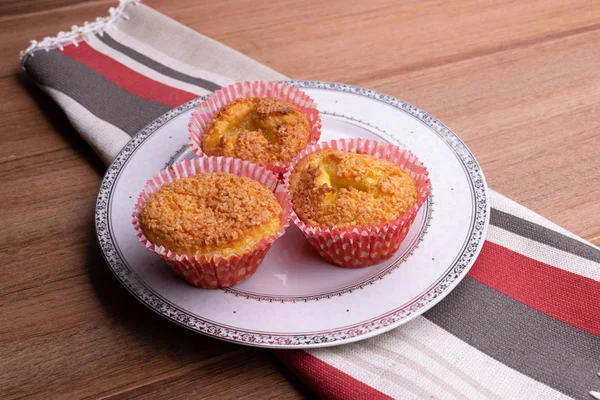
545 288
328 381
126 78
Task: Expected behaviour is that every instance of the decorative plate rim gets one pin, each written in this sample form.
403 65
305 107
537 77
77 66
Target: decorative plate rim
359 331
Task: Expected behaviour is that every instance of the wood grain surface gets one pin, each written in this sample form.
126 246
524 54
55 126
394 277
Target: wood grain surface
518 80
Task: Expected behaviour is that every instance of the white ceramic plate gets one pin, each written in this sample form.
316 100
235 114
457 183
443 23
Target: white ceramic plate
296 300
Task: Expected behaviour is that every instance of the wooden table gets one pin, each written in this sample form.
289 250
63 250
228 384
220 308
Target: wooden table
519 81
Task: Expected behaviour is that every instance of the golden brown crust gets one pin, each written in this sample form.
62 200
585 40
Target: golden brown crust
337 188
211 213
262 130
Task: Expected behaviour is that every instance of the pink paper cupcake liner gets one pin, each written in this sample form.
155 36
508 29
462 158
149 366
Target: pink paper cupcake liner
205 111
360 247
214 271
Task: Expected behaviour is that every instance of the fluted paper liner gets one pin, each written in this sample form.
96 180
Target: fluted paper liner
214 271
205 111
355 247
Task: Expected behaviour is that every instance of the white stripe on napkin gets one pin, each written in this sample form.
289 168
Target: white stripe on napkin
473 374
96 44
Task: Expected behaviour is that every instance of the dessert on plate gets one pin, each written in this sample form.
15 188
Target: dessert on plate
215 213
212 221
258 129
336 188
355 199
264 122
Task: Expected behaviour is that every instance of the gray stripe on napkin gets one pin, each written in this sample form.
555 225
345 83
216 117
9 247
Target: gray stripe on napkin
548 350
150 63
97 94
541 234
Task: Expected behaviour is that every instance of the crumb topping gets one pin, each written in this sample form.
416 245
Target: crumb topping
258 129
337 188
210 213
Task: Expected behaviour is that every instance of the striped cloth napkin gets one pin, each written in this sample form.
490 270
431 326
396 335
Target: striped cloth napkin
524 324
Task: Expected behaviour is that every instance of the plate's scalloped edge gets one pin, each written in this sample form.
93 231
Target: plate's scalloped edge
317 339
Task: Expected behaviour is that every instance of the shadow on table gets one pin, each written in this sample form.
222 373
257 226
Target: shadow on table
245 364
